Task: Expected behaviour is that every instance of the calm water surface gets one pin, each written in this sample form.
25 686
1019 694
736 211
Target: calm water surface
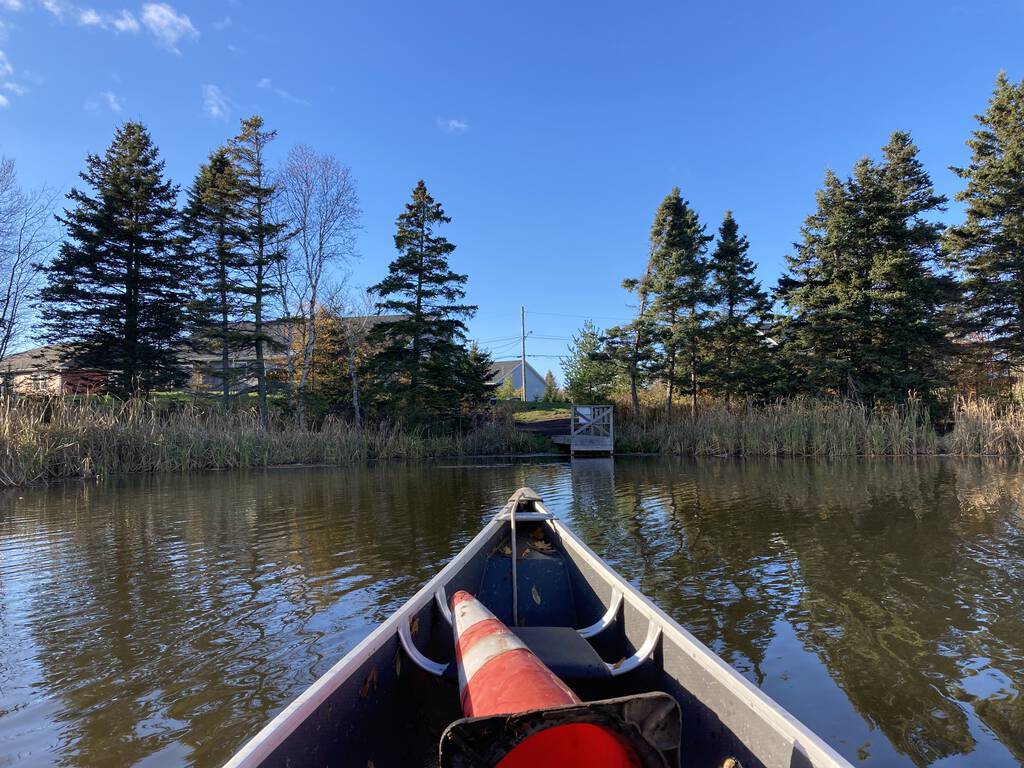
162 621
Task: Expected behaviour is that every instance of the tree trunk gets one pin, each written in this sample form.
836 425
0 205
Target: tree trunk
355 385
671 381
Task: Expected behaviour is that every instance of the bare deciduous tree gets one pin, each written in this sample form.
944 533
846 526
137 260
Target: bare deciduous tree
27 233
320 202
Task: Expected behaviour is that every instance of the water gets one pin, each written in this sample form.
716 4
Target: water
160 621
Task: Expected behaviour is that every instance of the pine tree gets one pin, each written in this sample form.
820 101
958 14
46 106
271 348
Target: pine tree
864 293
588 379
739 350
989 246
421 366
263 240
211 225
678 284
116 293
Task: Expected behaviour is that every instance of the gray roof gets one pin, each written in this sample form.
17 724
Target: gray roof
502 369
38 359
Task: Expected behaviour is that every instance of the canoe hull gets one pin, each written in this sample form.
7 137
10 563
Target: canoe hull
387 701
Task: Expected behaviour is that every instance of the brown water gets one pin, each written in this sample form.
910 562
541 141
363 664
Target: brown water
162 621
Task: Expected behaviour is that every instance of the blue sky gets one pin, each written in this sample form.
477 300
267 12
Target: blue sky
550 131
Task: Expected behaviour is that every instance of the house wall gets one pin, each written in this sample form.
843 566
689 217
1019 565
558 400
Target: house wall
37 383
534 382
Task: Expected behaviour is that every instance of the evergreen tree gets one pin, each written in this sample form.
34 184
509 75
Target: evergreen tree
738 348
865 296
422 365
211 225
588 379
116 293
551 392
507 390
263 239
678 284
989 246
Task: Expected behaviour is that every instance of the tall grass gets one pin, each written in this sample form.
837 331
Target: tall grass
985 427
56 438
797 427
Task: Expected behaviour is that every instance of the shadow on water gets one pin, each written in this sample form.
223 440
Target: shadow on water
162 620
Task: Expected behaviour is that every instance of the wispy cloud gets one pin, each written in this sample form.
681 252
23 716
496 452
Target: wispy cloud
222 24
12 5
215 103
125 22
88 17
114 102
268 85
6 81
167 25
451 125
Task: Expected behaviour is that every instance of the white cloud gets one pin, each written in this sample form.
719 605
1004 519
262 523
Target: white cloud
451 125
88 17
6 70
267 84
167 25
215 103
222 24
114 102
56 7
125 22
11 5
17 90
4 101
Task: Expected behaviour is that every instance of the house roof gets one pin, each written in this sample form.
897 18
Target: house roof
46 358
502 369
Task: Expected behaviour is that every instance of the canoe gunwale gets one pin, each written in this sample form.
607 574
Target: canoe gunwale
274 733
661 629
760 704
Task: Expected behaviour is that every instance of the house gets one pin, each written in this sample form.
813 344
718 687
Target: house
503 369
43 371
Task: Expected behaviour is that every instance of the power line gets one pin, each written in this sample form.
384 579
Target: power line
584 316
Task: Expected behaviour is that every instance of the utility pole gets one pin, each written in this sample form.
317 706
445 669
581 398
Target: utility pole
522 317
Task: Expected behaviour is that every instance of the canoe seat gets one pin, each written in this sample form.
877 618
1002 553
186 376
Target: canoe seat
564 652
545 590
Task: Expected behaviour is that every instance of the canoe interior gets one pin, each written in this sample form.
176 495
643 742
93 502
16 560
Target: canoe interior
387 711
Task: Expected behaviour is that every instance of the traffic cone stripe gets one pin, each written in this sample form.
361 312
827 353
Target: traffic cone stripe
478 648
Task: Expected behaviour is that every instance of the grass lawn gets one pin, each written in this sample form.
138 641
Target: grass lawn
531 412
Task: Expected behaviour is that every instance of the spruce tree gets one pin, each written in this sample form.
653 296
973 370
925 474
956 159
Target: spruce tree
588 378
213 232
551 391
678 284
422 367
738 347
865 295
116 293
263 240
989 246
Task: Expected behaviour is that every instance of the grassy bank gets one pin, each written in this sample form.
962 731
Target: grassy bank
50 439
804 427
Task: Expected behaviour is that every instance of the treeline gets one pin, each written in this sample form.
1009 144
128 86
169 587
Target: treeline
247 269
880 302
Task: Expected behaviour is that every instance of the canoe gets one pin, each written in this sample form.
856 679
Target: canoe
394 699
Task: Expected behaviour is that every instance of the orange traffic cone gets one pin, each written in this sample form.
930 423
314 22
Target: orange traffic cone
499 675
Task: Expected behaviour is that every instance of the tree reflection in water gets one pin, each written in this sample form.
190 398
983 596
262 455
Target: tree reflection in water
162 620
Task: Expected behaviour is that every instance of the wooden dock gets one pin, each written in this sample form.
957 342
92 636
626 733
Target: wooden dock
591 431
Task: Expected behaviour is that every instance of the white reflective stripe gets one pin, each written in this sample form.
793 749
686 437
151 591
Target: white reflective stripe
482 651
468 613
